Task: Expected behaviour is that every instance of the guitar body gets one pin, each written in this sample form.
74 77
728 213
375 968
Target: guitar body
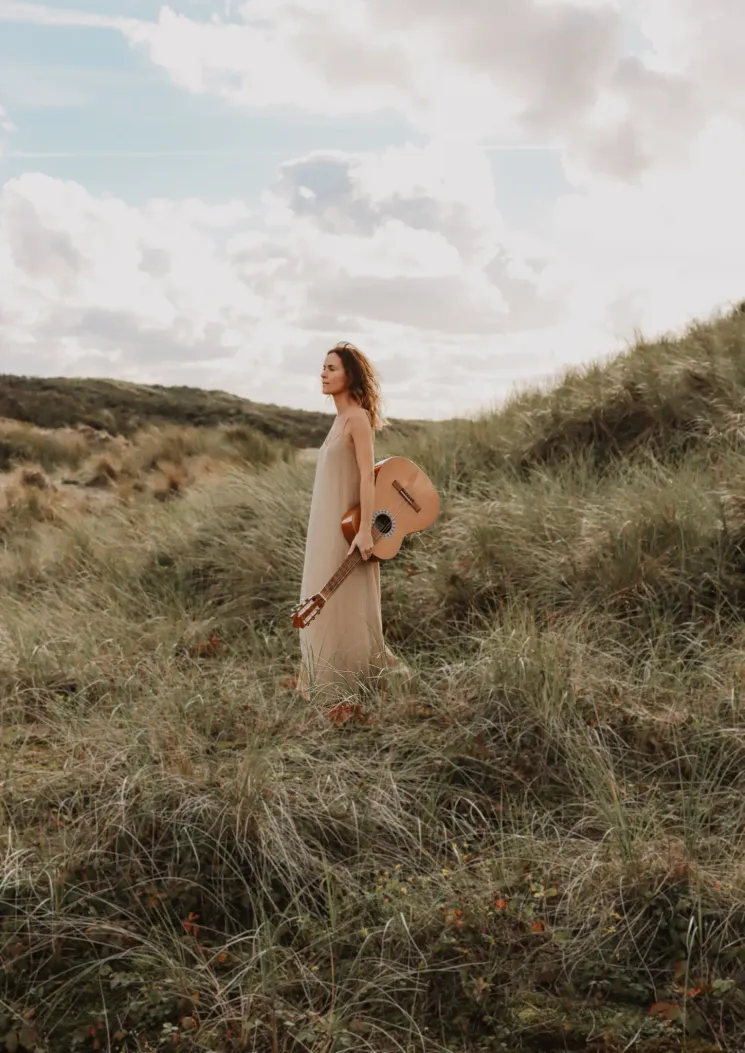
405 503
392 509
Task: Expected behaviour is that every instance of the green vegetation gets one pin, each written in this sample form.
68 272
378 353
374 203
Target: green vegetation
537 844
123 408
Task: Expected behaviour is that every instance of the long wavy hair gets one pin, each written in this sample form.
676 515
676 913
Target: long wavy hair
364 383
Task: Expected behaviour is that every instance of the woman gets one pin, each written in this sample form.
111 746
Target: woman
345 640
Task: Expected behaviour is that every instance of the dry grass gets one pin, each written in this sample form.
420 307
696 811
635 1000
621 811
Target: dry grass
535 845
161 462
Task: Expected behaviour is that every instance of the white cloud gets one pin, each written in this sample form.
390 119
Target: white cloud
456 70
80 272
434 188
665 250
276 64
367 254
561 70
464 71
6 125
460 70
406 251
411 237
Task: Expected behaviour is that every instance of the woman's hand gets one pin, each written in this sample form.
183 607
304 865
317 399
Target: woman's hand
363 540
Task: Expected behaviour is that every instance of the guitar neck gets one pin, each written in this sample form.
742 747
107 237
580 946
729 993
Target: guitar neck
346 568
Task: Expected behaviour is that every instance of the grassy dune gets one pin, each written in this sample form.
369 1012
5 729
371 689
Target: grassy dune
123 408
536 845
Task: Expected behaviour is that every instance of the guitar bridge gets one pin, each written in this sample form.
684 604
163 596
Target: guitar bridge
407 496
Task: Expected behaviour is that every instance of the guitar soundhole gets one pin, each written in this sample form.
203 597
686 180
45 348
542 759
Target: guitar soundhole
385 523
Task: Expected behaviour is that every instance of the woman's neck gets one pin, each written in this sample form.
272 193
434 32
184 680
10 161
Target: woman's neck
343 402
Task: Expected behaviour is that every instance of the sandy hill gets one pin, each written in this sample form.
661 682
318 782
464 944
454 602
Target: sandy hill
536 844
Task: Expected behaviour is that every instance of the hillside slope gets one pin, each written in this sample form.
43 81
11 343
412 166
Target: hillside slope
535 845
660 400
122 408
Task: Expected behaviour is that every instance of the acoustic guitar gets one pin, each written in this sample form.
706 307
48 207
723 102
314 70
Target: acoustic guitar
405 502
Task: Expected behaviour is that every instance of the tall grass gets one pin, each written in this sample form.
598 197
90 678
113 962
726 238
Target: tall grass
536 844
55 449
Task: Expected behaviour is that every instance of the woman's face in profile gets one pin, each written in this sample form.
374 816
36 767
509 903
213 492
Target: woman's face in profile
333 375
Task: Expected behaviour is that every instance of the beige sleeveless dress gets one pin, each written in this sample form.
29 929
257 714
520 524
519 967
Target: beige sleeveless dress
344 642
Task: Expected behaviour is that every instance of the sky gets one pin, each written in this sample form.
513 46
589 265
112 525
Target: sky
478 194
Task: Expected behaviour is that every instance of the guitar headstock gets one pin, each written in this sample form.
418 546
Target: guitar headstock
304 612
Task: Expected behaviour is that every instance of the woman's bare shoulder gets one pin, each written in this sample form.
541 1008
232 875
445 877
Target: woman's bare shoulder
359 415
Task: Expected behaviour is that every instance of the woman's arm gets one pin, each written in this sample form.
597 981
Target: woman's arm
362 437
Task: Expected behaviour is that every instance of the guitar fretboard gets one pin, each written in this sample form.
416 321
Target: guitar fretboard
347 567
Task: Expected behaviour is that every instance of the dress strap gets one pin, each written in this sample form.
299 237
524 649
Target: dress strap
345 420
